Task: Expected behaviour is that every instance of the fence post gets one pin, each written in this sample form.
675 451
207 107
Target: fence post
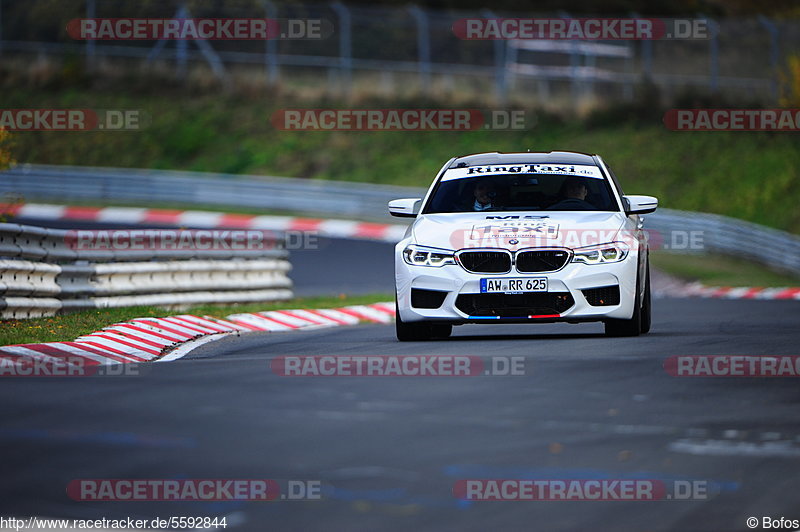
181 47
774 51
500 76
647 58
576 86
630 67
589 60
271 45
630 64
714 56
511 59
90 44
423 47
216 64
345 44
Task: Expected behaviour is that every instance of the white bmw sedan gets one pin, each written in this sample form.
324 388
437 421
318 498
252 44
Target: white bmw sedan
523 238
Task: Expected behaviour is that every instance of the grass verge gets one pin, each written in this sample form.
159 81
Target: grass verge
70 326
749 175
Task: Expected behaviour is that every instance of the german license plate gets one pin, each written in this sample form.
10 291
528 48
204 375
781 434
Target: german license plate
514 286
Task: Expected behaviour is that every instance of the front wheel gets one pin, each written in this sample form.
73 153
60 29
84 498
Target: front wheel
419 331
640 321
647 308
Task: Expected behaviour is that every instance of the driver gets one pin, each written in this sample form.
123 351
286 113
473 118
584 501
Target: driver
574 193
575 189
484 196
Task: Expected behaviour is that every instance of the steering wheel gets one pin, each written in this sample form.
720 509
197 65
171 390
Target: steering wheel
571 204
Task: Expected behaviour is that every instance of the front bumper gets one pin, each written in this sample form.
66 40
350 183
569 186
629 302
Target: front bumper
565 299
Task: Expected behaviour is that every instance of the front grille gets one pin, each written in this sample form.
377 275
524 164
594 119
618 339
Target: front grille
514 305
421 298
542 260
485 261
602 296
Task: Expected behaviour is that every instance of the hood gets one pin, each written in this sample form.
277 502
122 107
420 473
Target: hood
517 230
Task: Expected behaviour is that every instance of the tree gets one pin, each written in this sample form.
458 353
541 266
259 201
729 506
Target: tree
790 96
5 149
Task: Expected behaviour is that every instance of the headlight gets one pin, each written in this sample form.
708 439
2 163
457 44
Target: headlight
602 254
422 256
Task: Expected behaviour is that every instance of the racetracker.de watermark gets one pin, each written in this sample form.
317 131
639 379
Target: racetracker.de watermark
607 29
501 231
732 119
397 366
40 365
137 489
402 119
733 365
189 240
73 119
607 489
211 29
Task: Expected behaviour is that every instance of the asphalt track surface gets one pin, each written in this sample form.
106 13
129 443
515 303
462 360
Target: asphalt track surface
388 450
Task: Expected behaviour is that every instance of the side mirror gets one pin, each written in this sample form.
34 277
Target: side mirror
405 208
640 204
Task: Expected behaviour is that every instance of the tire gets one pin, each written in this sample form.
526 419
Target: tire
419 331
631 327
441 330
647 308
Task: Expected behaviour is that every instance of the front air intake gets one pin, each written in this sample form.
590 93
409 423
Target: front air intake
603 296
542 260
514 305
421 298
485 261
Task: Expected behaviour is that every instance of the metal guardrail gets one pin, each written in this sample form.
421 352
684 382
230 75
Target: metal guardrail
720 234
77 183
41 274
728 236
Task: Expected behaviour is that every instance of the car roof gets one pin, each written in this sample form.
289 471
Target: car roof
550 157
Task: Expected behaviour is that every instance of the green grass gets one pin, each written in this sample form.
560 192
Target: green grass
70 326
718 270
753 176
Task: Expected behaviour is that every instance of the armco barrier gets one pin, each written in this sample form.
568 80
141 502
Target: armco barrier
728 236
40 275
719 234
109 185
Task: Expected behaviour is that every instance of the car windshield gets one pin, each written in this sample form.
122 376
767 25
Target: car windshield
522 192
